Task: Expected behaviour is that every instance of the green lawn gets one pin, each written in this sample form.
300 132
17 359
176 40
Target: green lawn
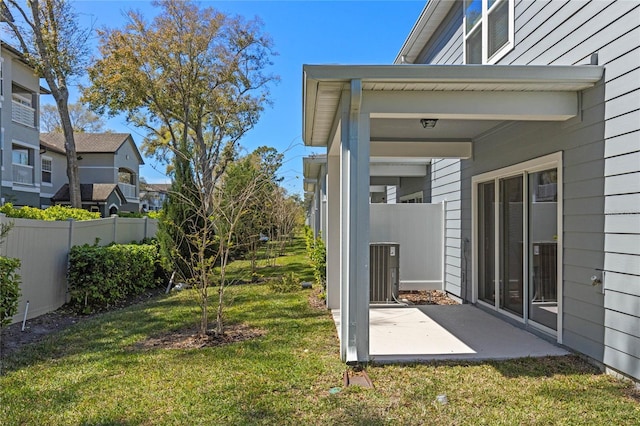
93 373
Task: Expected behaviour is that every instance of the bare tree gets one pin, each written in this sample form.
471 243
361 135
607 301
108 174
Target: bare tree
54 43
83 120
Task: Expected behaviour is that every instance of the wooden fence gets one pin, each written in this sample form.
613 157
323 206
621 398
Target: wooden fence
43 249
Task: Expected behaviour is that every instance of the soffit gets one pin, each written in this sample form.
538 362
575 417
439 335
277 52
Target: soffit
323 85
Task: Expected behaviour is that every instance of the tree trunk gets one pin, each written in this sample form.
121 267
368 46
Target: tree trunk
70 149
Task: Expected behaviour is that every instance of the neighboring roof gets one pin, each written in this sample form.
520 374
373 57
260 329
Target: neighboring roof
90 192
86 143
14 51
155 187
323 85
432 15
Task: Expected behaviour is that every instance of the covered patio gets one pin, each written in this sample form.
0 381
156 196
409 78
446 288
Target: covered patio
452 332
383 120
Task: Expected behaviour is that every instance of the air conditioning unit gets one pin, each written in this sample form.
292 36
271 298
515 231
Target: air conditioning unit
384 272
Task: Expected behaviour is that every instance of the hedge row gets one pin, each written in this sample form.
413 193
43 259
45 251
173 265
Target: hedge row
9 289
102 276
50 213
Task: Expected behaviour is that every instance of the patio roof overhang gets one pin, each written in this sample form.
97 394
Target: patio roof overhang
478 97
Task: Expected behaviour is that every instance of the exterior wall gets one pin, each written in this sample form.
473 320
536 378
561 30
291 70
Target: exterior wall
412 185
126 157
601 167
446 187
43 248
58 176
14 71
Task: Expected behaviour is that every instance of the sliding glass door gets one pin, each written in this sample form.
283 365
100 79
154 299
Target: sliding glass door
517 256
543 247
511 240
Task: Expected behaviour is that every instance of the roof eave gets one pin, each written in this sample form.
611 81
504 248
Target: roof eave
578 77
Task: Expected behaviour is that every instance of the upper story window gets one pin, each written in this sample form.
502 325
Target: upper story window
22 107
488 30
46 170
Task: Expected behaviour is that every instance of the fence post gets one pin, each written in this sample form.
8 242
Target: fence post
115 228
146 220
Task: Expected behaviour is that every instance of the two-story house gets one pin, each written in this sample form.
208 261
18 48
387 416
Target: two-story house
153 196
19 121
109 171
527 117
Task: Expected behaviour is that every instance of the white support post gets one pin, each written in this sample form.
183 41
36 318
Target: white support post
332 236
354 307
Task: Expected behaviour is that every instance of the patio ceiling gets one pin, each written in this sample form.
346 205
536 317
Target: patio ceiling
467 100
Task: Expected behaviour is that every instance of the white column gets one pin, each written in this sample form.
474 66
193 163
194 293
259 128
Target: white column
332 236
355 229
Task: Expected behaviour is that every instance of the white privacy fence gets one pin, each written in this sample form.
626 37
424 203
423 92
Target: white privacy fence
43 249
418 228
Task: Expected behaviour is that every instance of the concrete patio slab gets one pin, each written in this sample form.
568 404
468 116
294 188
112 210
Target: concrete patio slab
454 332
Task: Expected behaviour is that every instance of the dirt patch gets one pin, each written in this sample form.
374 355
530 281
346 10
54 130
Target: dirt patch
190 339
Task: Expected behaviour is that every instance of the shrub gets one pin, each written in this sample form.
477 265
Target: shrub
286 284
9 289
50 213
317 253
101 276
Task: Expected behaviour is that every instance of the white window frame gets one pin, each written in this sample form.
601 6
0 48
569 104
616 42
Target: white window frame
500 53
521 169
42 170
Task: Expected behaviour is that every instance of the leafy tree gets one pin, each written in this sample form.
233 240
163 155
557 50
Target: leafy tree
56 46
194 79
82 119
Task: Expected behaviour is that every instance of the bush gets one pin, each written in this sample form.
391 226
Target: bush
9 289
287 284
102 276
317 253
50 213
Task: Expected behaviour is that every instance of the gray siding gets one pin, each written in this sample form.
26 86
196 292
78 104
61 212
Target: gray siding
601 166
446 186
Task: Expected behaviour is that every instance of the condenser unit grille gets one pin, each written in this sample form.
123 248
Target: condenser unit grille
384 272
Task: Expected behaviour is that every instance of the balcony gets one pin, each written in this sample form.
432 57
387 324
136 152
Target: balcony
22 174
23 114
129 191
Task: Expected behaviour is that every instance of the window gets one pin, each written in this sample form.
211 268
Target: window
46 170
20 156
488 30
22 164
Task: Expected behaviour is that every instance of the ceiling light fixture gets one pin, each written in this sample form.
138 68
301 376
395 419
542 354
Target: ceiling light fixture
428 123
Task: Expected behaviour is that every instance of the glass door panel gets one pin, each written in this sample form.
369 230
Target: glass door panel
511 247
486 243
543 252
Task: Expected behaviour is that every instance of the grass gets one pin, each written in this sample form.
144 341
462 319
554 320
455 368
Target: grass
92 374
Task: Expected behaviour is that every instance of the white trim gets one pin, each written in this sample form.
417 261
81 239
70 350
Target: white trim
524 169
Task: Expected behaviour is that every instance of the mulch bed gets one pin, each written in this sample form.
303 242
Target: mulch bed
191 339
429 297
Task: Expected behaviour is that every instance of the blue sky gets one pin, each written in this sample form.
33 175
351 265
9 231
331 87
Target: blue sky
304 32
